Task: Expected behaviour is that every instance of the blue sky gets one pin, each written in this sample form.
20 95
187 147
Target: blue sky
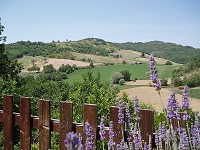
176 21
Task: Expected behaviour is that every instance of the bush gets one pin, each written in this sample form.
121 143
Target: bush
126 75
116 77
163 82
124 62
49 68
177 82
168 63
34 68
121 81
91 65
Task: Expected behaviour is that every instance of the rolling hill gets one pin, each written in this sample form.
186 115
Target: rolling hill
73 49
171 51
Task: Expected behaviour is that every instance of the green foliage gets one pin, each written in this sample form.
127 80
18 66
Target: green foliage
163 82
190 72
189 67
60 49
121 81
49 68
193 80
177 81
8 68
126 74
167 50
34 68
91 65
67 68
168 63
115 78
124 62
93 91
143 55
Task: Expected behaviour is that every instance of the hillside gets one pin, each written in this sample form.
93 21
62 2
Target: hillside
171 51
60 49
99 47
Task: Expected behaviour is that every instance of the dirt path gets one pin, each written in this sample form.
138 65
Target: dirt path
150 95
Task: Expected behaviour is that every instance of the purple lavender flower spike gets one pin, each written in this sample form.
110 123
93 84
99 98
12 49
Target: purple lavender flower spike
111 136
121 112
184 143
154 73
136 106
185 100
196 123
186 117
102 129
72 141
172 106
128 119
90 144
158 86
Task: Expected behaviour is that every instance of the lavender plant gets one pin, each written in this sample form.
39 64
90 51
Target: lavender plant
166 137
73 142
180 138
111 143
90 143
102 131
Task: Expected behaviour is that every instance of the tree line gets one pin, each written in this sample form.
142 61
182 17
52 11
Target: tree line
171 51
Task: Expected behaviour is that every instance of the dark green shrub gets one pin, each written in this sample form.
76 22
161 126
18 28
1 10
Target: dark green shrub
168 63
177 81
163 82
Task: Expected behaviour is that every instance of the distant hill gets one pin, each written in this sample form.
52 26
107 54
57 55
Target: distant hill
99 47
171 51
61 49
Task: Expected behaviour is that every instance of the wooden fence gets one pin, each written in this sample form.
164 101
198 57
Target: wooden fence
46 125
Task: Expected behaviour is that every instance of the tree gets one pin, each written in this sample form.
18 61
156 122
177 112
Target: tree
143 55
48 69
91 65
33 61
168 63
116 77
8 68
124 62
126 74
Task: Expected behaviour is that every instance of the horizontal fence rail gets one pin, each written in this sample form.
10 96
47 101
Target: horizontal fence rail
46 125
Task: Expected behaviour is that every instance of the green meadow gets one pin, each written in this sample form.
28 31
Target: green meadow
137 71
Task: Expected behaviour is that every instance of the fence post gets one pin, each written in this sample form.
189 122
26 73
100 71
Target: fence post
117 127
179 123
8 121
66 118
25 123
44 125
90 116
146 124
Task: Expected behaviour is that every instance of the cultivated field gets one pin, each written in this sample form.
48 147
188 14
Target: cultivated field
149 95
127 55
40 62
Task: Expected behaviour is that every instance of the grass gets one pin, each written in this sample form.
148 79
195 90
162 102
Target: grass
137 71
194 93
